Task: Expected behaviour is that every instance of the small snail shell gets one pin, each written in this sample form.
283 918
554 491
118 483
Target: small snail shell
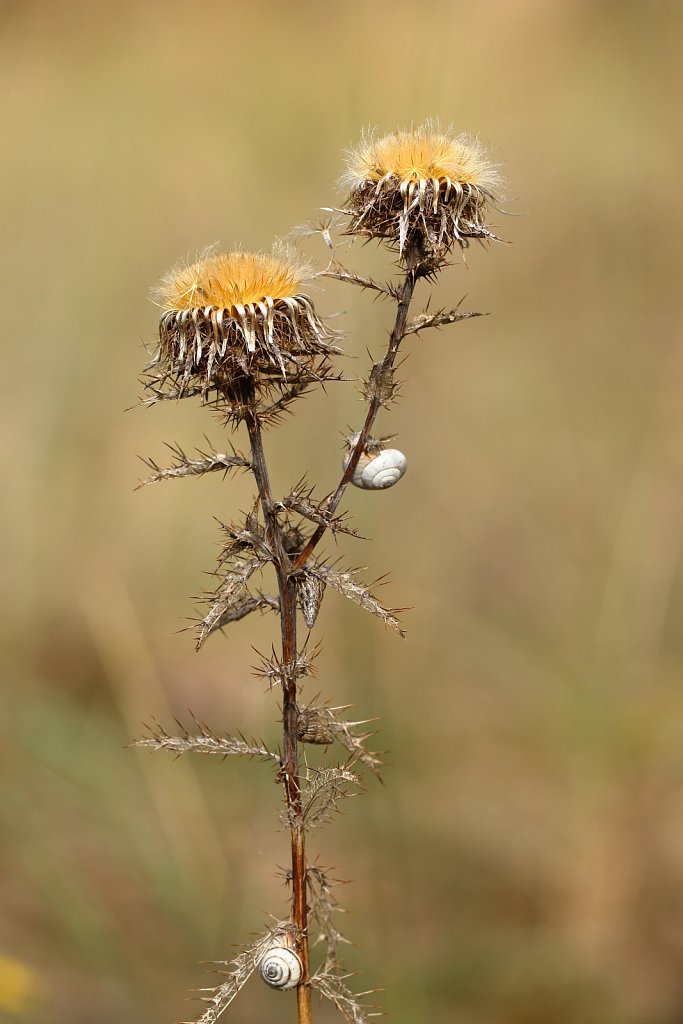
280 967
375 471
310 596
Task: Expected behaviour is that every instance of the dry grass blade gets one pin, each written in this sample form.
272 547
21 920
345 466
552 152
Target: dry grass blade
438 319
204 741
331 986
242 967
344 583
208 462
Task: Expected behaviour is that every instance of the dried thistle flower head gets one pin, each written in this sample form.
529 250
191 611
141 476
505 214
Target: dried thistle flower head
422 185
237 316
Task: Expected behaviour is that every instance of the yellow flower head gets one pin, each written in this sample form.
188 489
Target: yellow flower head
420 187
234 318
229 279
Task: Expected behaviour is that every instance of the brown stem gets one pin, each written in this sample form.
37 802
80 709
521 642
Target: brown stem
290 758
286 576
413 261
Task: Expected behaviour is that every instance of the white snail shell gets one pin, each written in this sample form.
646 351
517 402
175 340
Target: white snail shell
378 470
280 967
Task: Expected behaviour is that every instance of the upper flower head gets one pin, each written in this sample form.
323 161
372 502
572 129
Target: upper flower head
237 315
420 186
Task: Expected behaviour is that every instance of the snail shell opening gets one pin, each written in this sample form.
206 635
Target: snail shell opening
281 968
379 471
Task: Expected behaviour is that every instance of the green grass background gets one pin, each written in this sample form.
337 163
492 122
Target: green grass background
524 862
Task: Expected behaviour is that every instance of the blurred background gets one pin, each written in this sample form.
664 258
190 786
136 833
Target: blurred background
524 861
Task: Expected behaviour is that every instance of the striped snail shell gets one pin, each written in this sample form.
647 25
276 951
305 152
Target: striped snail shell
280 967
310 594
377 470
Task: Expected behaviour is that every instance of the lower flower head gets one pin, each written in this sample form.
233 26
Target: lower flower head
420 186
236 316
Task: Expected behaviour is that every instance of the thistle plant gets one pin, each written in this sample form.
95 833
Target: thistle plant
239 333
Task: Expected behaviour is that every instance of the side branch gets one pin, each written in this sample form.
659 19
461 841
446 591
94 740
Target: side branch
289 771
415 268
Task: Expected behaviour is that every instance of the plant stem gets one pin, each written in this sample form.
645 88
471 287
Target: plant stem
413 265
290 757
286 571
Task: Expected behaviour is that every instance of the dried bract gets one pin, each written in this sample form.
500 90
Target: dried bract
234 317
420 186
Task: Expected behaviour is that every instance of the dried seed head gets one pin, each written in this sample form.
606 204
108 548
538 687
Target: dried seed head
420 186
234 317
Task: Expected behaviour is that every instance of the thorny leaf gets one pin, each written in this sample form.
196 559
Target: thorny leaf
204 741
242 967
339 273
229 601
321 792
322 907
438 319
274 671
320 725
250 537
303 503
208 462
246 551
343 581
242 606
156 392
272 414
332 987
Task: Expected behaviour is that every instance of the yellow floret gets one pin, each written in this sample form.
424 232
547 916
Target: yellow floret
233 278
422 153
